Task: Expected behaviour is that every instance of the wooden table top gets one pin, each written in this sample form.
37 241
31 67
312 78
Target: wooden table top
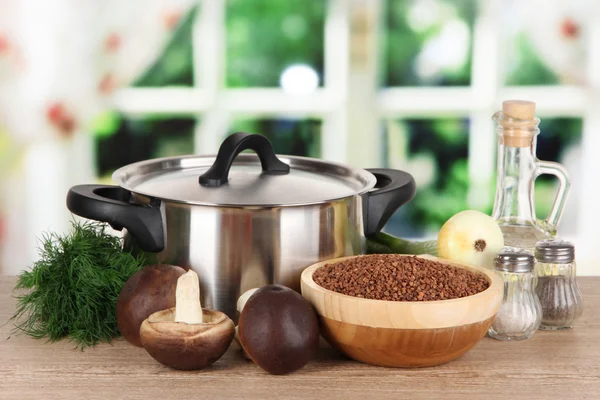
551 365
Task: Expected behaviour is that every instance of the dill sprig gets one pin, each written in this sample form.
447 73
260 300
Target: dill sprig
72 290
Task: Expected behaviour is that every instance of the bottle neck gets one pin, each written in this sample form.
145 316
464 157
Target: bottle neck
515 184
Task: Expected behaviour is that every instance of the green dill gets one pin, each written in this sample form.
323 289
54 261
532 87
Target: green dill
72 290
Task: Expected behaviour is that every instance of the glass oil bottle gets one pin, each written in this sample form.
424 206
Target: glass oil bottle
517 169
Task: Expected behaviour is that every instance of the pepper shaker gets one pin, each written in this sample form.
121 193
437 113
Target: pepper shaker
520 313
557 286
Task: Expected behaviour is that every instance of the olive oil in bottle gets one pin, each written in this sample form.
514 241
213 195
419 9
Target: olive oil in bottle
517 169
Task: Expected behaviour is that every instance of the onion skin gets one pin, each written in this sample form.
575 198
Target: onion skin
471 237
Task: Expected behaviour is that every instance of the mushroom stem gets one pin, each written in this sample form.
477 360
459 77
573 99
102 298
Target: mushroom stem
240 306
244 298
188 308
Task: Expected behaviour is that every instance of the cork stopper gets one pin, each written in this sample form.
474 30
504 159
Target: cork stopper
520 124
519 109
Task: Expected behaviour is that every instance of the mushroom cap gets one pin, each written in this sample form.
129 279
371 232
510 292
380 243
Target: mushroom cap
149 290
186 346
278 329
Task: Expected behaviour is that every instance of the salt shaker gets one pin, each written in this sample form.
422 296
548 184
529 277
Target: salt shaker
557 286
520 313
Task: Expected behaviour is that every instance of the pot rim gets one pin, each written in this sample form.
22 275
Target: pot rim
130 172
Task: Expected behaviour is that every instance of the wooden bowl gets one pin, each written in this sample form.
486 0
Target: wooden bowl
403 333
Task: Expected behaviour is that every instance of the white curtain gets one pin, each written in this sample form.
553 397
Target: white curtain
60 62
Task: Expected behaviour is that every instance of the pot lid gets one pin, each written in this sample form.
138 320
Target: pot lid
308 181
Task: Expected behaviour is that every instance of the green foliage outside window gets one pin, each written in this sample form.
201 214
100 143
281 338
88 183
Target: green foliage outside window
402 42
291 137
264 37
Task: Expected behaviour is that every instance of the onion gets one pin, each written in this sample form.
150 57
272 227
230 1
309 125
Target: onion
470 237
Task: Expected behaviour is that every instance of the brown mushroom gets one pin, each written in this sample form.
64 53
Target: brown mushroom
187 337
149 290
278 329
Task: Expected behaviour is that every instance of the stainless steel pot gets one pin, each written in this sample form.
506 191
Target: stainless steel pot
238 225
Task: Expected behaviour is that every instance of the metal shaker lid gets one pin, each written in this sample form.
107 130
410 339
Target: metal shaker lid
512 259
555 251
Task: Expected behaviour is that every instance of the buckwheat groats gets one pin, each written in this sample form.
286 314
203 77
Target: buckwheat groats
399 278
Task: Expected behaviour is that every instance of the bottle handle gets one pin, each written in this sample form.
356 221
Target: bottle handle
564 186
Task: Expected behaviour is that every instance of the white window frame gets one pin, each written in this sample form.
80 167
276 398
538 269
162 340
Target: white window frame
351 106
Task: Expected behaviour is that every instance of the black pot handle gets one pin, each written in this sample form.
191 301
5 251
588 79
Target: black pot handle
232 146
111 204
394 189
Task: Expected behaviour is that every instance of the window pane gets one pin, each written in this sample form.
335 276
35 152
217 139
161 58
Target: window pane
264 37
288 136
174 66
121 141
560 140
547 50
435 152
428 42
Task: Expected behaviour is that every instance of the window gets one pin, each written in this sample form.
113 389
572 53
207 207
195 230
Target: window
380 94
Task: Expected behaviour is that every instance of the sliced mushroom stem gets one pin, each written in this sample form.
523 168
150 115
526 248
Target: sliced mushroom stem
188 308
240 306
244 298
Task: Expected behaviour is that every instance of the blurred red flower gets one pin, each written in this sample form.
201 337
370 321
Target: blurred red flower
171 18
107 84
569 28
61 119
112 42
4 44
